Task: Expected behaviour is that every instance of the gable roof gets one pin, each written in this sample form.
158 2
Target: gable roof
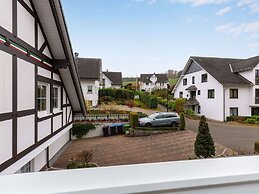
220 69
114 77
161 78
53 22
246 64
89 68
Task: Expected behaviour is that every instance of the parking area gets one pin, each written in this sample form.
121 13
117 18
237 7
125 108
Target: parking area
121 150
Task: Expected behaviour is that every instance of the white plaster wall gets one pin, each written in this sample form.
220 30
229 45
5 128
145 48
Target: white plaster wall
64 117
44 72
25 25
58 144
47 52
57 122
250 75
25 132
44 129
242 102
6 11
108 83
39 161
5 140
211 108
6 82
26 85
90 96
30 156
64 96
116 86
150 87
41 39
56 77
28 3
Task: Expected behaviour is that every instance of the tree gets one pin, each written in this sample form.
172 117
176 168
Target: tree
182 122
131 104
204 144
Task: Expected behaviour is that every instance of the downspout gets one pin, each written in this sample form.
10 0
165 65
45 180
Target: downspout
224 104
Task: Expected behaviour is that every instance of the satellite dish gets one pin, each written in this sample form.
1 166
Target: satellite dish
153 79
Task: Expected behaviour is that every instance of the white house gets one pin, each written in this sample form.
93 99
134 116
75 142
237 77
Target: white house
39 86
89 71
150 82
111 79
220 87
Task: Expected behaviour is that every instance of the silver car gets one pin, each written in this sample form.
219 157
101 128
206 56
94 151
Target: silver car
160 119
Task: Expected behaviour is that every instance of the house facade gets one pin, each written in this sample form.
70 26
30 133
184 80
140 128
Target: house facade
150 82
39 84
89 71
111 80
220 87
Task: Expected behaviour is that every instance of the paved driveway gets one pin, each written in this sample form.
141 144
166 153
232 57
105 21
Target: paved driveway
240 138
119 150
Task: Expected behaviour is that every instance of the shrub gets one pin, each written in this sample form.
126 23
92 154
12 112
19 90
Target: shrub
81 129
182 122
189 112
204 144
82 161
131 104
250 121
237 118
134 119
179 104
149 100
111 94
171 105
141 114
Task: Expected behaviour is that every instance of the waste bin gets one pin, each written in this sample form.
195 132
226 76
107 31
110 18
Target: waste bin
105 131
120 129
113 130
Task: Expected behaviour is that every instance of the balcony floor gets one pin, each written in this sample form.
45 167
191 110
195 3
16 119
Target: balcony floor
120 150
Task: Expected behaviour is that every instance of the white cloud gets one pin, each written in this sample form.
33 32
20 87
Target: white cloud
251 28
253 45
199 2
253 5
223 11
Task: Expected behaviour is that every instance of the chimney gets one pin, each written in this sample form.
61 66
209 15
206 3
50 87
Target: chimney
107 70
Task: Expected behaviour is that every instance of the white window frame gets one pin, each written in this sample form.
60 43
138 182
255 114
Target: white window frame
88 89
58 108
42 113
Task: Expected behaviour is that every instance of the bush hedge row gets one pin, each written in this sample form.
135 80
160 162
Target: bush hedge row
111 94
148 99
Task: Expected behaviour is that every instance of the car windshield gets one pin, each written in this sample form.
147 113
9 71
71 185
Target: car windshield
152 116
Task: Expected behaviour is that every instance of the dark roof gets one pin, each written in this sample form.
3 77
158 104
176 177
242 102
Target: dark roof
191 88
220 69
114 77
89 68
191 102
246 64
161 78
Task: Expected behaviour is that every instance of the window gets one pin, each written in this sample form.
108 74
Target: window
42 97
147 84
199 92
204 78
90 89
26 168
180 94
233 93
185 81
256 77
233 111
103 81
193 79
55 97
211 93
159 117
199 109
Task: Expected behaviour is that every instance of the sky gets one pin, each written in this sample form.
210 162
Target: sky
152 36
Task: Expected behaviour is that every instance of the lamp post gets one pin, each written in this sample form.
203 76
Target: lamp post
167 96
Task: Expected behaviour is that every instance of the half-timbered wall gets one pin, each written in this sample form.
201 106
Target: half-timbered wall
25 62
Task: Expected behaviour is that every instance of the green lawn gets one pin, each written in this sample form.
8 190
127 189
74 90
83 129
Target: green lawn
173 81
138 103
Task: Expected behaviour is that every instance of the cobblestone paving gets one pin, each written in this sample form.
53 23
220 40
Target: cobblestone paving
120 150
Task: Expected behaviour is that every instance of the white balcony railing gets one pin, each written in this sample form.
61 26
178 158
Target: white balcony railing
225 176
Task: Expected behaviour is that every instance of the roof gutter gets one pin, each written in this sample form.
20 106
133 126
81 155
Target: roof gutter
66 43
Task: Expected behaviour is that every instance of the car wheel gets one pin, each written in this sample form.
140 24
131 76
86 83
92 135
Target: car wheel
148 125
174 124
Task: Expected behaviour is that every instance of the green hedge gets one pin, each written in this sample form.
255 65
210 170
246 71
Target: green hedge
111 94
134 120
148 99
81 129
157 128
